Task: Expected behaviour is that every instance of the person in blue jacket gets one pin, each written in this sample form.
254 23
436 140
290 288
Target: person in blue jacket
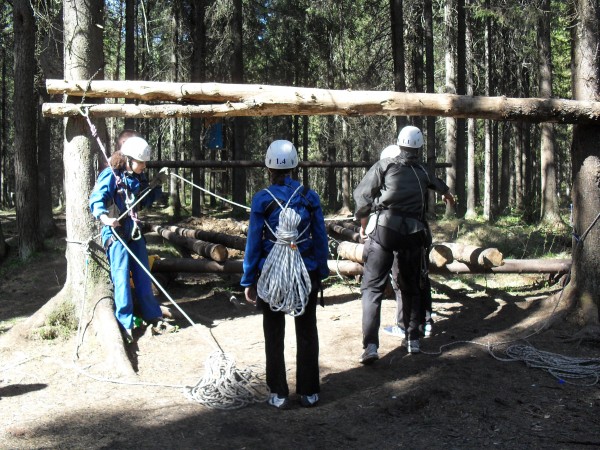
117 188
266 237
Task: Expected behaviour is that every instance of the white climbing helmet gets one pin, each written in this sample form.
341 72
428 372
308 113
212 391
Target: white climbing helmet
137 148
281 154
391 151
410 137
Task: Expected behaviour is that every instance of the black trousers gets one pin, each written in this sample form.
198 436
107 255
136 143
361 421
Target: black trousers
307 344
385 246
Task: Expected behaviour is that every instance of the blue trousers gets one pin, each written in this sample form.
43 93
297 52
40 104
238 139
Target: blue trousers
121 264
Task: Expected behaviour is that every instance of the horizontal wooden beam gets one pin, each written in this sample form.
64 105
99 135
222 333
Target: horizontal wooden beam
264 100
350 268
226 164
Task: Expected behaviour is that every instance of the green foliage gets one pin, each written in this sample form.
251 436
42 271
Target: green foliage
515 238
60 324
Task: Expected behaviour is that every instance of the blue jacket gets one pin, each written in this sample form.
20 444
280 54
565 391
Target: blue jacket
306 203
107 199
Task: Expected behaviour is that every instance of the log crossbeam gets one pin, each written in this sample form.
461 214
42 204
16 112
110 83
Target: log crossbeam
238 100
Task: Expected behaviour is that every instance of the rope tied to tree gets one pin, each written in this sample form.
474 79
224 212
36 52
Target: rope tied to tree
284 283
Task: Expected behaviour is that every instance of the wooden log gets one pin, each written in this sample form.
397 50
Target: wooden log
553 266
351 251
354 252
351 268
235 242
241 163
264 100
471 254
440 255
197 266
216 252
343 232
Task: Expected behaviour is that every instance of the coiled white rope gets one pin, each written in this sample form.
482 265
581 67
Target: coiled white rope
222 380
563 368
284 283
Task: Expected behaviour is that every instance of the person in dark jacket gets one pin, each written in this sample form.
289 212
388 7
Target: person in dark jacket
283 288
391 204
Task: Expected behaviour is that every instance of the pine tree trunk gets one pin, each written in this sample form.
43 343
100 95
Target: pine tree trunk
26 169
549 205
87 279
585 276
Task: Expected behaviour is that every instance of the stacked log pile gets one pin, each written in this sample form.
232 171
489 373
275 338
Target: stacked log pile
444 258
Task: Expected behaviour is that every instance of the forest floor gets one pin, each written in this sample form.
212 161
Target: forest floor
459 393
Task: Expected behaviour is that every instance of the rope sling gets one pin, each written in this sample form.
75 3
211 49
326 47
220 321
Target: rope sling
284 283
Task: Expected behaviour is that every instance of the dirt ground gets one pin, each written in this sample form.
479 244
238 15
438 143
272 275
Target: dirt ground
454 395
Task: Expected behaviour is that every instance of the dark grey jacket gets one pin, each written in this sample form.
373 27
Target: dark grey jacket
396 185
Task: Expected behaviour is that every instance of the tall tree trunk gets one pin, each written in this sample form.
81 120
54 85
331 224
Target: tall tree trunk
461 68
174 188
585 275
4 197
450 64
130 22
396 14
429 87
487 149
50 60
548 205
198 30
239 123
26 171
471 211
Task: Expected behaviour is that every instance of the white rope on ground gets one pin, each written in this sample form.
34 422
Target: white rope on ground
223 386
223 380
284 282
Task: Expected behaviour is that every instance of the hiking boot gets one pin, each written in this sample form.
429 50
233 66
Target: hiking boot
163 327
278 402
395 331
412 346
308 401
370 355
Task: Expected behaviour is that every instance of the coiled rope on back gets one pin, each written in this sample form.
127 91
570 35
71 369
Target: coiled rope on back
284 282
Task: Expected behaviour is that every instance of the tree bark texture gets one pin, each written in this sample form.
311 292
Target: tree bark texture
26 168
263 100
585 157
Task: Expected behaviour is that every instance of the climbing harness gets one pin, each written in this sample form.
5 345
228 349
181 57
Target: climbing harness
284 283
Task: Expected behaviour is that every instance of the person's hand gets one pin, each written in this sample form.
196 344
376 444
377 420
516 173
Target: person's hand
449 198
363 235
250 293
110 221
161 177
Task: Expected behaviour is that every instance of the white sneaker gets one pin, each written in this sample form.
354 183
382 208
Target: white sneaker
278 402
369 355
309 401
427 329
412 346
395 331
